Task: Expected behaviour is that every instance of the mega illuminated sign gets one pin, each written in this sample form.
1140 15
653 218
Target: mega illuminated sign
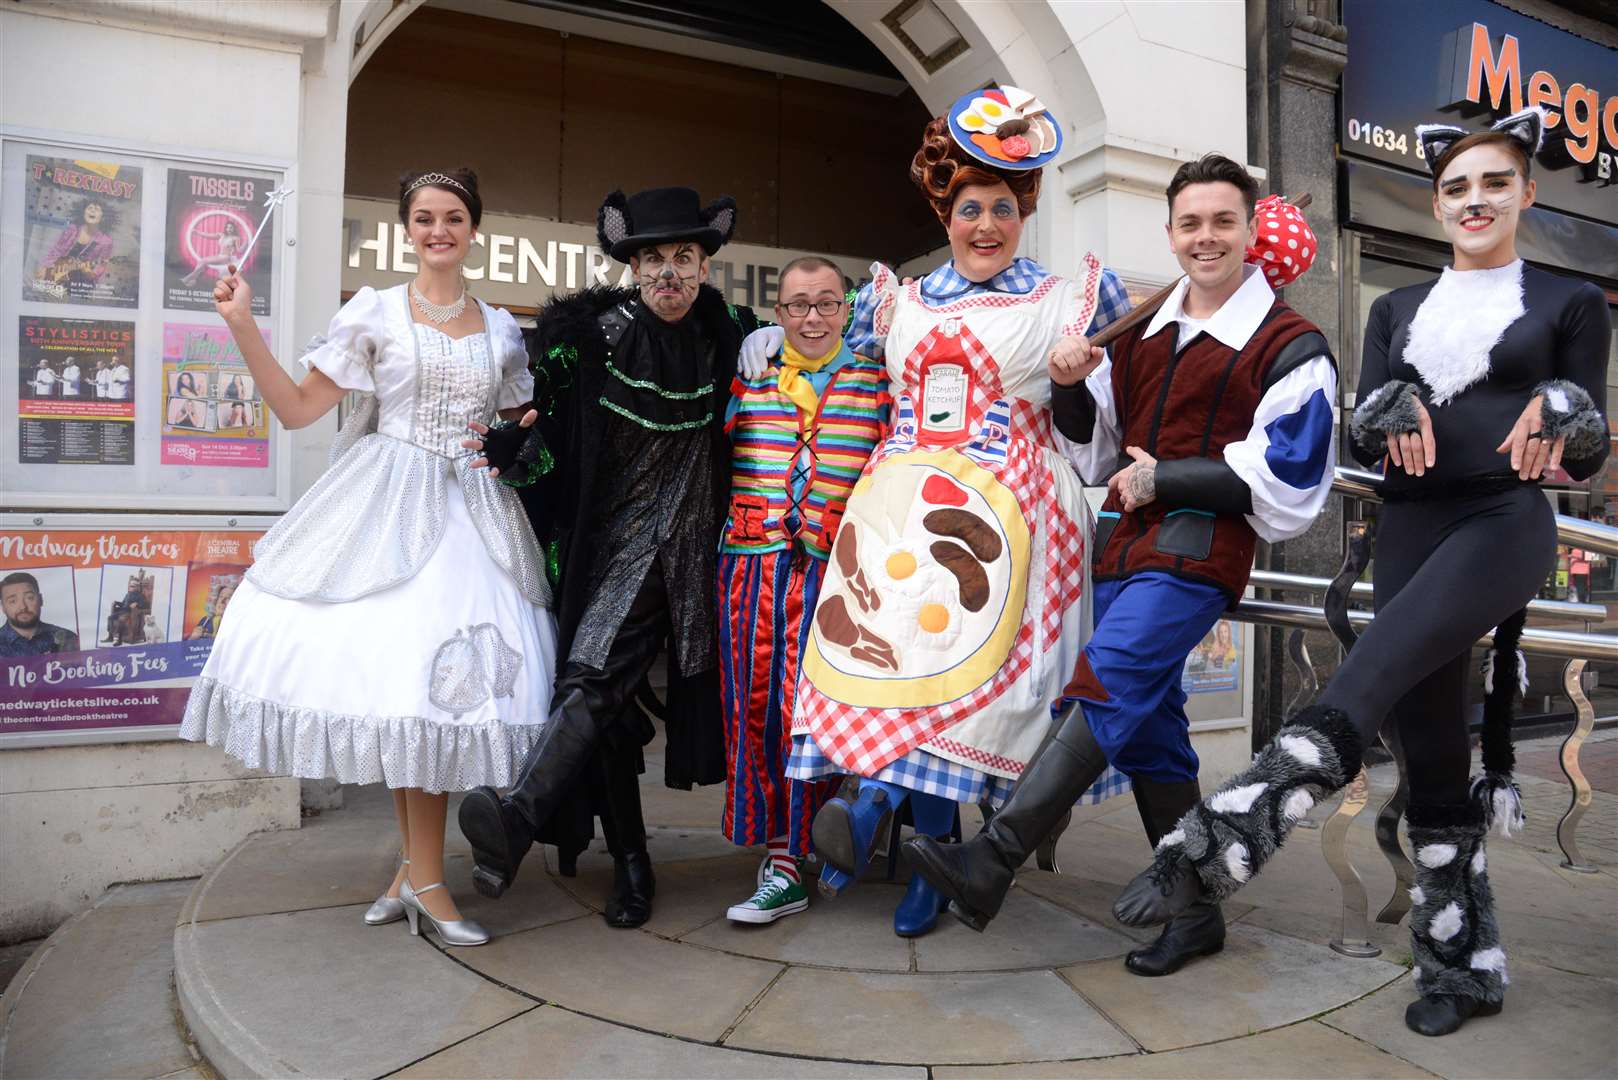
1470 61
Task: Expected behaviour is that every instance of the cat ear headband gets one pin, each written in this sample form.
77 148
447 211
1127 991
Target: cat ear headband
1526 127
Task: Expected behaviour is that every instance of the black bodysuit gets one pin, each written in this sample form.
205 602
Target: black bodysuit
1466 545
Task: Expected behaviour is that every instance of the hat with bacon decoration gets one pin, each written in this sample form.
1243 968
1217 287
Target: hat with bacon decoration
1006 128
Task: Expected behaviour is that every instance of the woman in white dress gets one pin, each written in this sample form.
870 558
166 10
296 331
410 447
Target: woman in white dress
394 627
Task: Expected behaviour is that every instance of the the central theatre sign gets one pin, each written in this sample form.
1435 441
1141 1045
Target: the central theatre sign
1468 60
523 261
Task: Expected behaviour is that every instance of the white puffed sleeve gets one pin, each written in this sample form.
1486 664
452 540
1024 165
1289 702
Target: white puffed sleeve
516 381
346 353
1286 458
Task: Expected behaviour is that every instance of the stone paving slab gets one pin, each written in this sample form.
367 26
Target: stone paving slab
319 993
854 931
1555 1024
1028 933
327 863
556 1043
117 1021
1307 1051
1261 980
959 1019
628 976
689 894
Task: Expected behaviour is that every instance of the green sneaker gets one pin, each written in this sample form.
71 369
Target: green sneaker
775 898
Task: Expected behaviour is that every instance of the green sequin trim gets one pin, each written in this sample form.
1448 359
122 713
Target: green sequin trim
672 395
650 425
553 563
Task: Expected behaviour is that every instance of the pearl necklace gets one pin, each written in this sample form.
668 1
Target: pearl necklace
436 313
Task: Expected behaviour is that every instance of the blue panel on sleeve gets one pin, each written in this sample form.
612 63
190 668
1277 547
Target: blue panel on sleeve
1300 442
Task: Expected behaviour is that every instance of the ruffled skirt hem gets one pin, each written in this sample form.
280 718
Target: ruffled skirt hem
316 744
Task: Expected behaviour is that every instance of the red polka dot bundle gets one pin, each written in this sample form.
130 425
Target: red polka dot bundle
1285 246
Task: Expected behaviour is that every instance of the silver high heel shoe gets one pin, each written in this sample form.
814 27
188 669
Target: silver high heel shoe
387 909
452 932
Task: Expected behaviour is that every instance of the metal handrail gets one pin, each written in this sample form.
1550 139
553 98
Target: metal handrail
1566 644
1572 531
1278 581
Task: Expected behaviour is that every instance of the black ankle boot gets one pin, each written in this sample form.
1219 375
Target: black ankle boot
1200 929
1454 939
502 830
633 886
977 875
1228 837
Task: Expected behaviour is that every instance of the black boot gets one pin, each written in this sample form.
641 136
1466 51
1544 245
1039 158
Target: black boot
1200 929
502 830
633 886
1454 939
977 875
1228 837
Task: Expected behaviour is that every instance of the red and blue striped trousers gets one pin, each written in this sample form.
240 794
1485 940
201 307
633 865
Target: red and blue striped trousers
765 605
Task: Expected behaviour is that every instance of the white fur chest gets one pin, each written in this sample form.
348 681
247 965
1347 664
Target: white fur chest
1459 324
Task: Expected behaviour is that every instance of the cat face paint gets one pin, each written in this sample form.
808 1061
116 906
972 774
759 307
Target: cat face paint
668 276
1479 202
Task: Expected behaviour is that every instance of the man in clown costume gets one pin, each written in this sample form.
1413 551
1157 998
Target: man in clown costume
801 431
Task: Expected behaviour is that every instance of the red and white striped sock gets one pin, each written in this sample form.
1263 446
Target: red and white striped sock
782 861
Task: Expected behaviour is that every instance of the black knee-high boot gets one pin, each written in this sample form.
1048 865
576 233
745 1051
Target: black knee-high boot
977 875
1199 930
1460 967
502 830
1228 837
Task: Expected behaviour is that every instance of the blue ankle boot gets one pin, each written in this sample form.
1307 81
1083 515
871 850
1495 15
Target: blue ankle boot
918 912
844 832
833 882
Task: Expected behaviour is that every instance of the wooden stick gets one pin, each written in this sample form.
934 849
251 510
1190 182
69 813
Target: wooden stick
1149 306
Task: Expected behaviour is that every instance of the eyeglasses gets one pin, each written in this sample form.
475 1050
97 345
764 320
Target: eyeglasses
799 308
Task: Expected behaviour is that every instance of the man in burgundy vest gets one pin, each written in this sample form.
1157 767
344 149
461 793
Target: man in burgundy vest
1219 412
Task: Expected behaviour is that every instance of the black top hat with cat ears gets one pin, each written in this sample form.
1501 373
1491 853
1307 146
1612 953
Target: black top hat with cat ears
1526 127
626 225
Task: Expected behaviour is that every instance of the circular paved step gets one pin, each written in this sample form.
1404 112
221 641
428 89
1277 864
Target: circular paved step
277 975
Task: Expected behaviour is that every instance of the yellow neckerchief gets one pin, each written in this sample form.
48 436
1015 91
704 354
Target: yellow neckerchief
799 390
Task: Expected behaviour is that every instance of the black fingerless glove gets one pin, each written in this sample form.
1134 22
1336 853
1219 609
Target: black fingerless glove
1390 410
518 452
503 443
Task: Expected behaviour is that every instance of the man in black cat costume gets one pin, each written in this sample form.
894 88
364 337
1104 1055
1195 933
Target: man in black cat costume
628 468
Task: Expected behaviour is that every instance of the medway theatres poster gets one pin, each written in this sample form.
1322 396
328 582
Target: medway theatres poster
107 629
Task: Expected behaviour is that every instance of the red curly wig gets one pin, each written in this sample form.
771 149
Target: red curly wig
941 168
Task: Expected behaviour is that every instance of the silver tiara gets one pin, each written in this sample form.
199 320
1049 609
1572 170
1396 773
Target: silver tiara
438 179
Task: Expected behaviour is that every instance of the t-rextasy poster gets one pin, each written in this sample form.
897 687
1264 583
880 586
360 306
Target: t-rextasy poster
211 218
82 225
212 412
76 403
106 629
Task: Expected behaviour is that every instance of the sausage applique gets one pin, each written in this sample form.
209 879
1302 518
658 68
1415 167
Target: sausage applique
968 528
974 581
847 552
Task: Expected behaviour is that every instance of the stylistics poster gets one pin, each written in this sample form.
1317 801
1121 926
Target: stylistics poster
75 401
211 218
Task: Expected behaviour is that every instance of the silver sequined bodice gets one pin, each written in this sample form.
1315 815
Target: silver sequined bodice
378 513
455 383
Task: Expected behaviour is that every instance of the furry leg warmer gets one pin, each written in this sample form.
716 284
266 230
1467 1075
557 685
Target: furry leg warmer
1230 835
1454 937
